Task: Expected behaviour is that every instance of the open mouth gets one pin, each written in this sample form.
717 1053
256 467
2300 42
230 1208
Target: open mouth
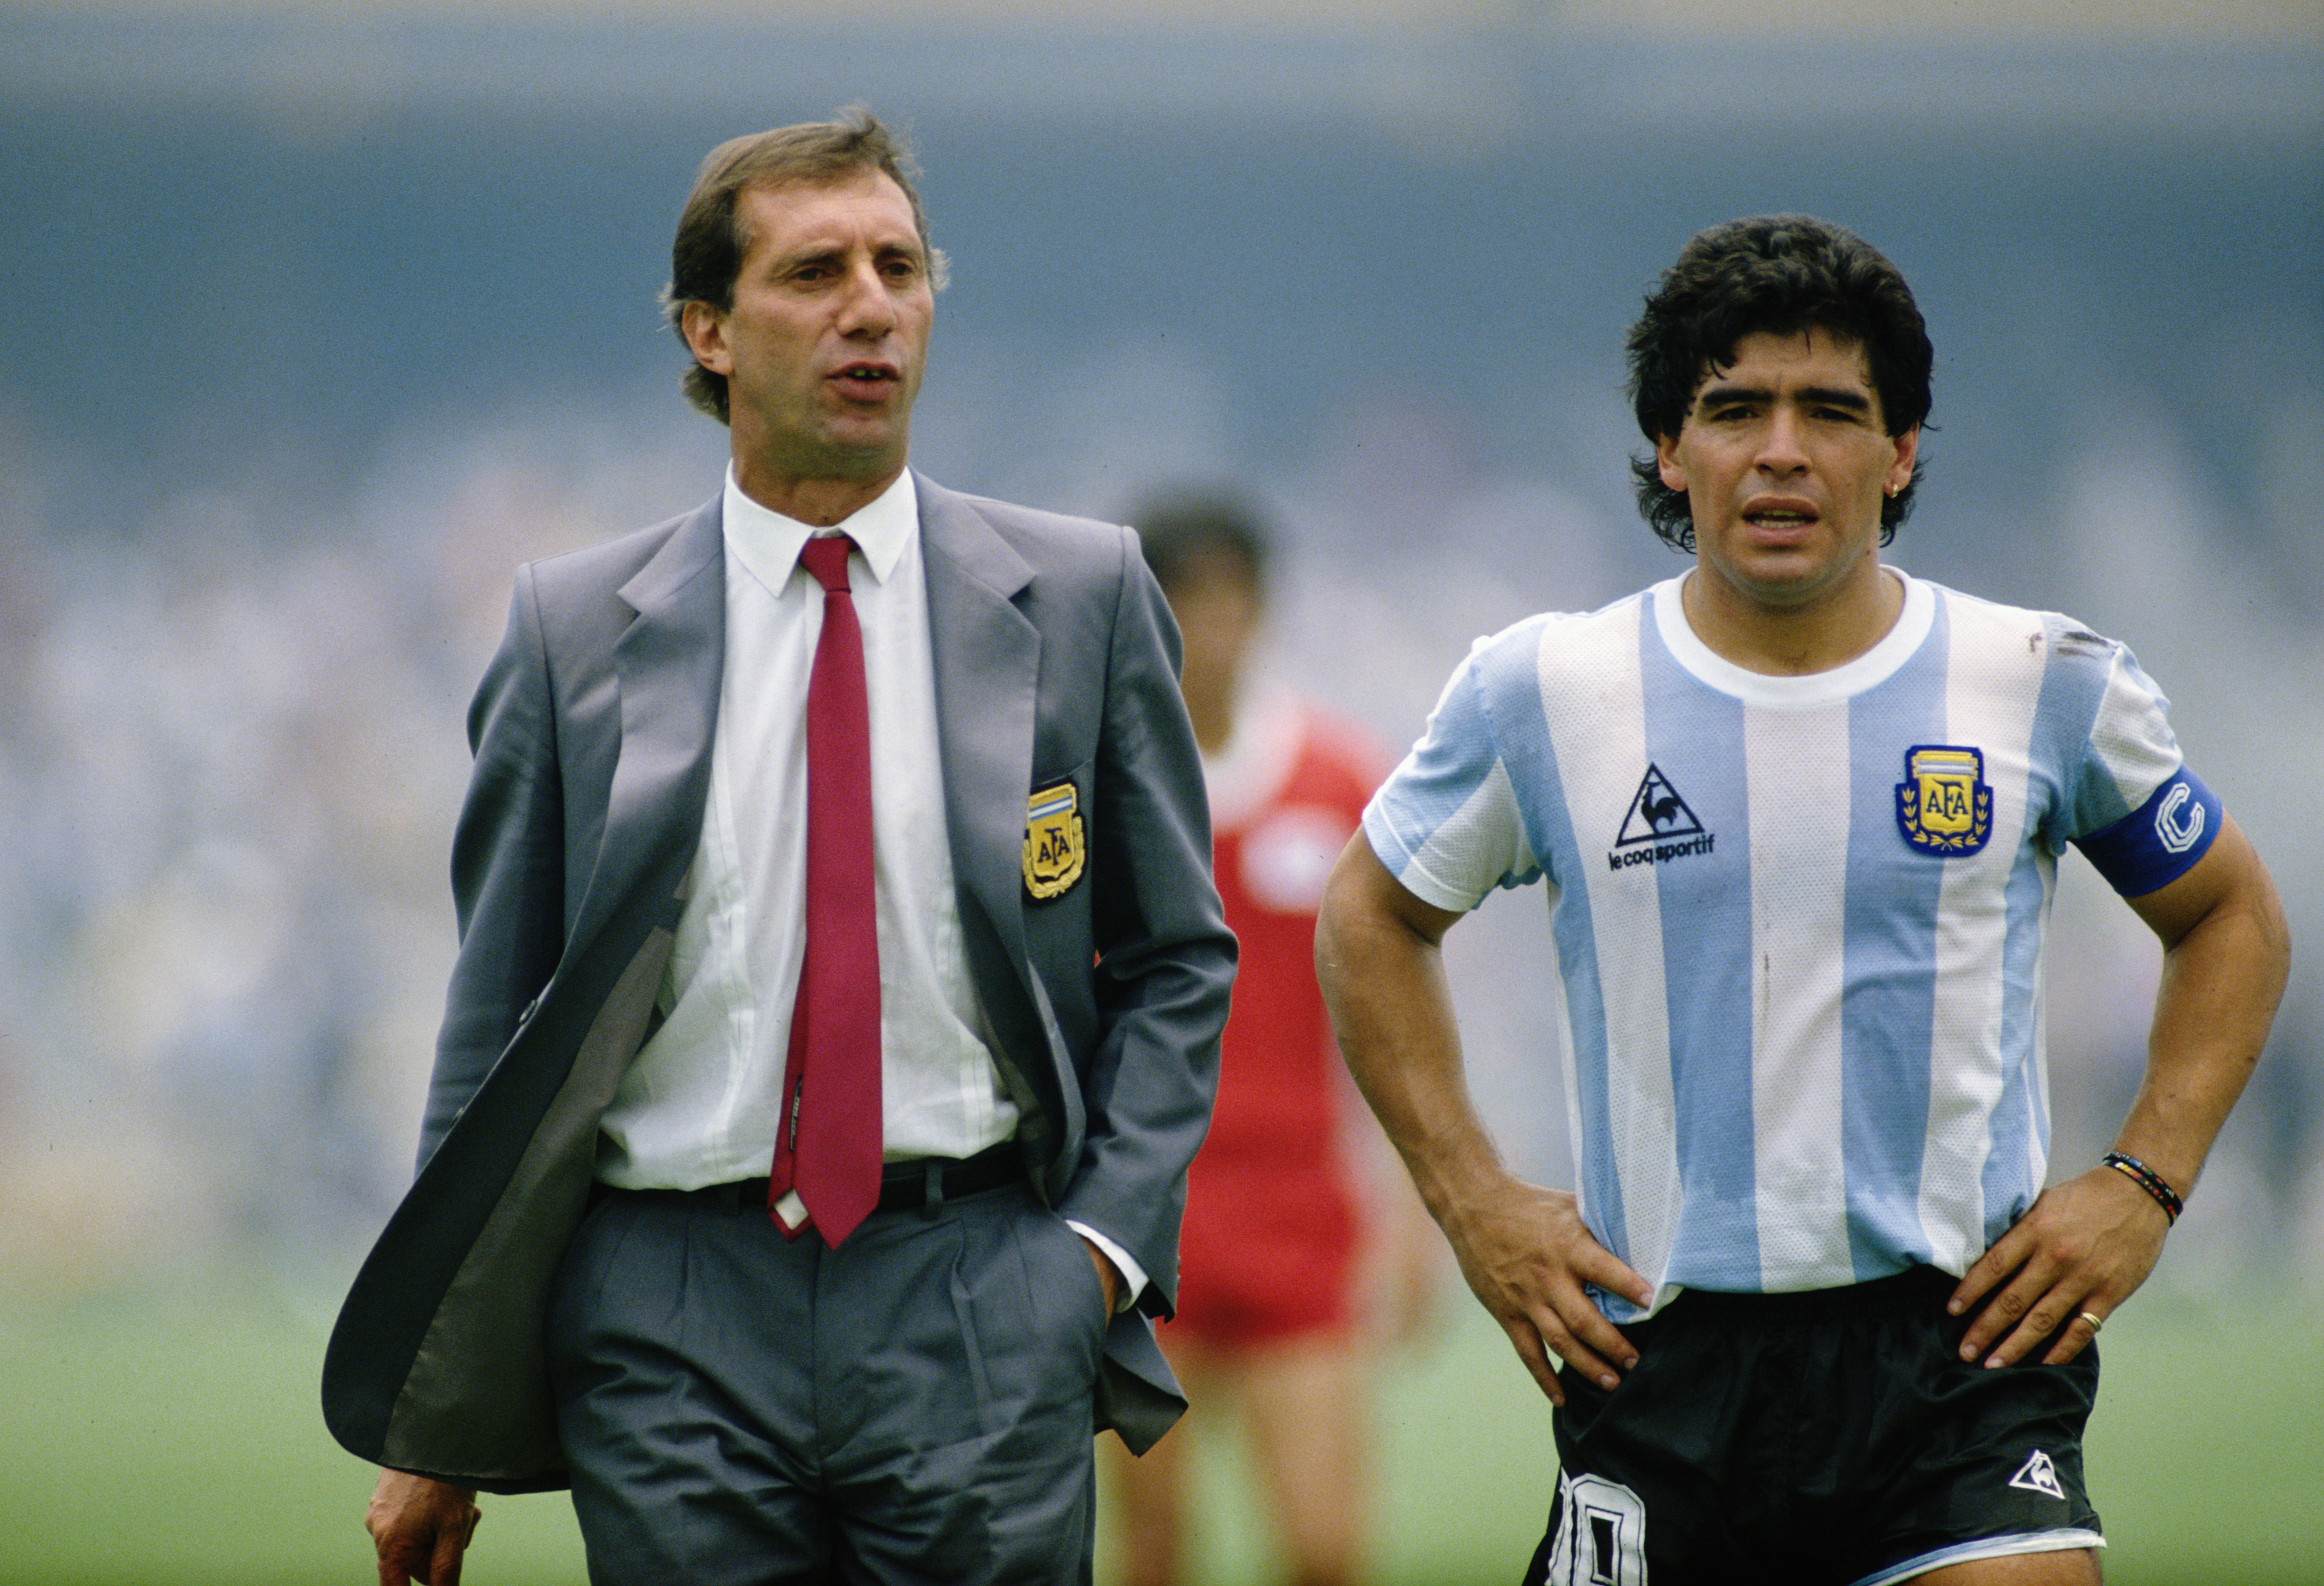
866 376
1780 517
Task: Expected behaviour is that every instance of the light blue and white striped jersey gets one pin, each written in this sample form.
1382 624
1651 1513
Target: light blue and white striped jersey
1798 919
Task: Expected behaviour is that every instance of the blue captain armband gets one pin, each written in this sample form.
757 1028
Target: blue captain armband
2160 840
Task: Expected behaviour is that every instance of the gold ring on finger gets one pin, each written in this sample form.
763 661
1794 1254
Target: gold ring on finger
2096 1321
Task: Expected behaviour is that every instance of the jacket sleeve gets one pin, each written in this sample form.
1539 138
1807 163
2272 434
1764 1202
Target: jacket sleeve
1165 959
508 867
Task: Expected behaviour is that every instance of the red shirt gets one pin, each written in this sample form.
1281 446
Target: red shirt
1273 1208
1285 799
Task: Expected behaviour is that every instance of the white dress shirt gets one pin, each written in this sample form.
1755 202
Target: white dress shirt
698 1105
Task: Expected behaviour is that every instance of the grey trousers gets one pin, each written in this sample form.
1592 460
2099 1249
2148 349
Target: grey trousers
740 1409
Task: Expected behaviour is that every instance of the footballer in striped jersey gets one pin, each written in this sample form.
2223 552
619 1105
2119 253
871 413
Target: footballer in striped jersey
1817 1309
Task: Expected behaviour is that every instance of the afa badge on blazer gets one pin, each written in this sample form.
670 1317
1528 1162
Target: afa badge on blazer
1054 846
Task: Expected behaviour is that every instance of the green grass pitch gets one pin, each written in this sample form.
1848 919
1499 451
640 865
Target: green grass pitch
172 1436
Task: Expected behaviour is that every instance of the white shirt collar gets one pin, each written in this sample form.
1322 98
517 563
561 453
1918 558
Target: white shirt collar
769 543
1813 689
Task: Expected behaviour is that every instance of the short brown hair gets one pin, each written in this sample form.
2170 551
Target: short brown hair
1186 528
706 254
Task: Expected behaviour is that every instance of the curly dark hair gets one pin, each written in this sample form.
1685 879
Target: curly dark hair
1779 274
707 252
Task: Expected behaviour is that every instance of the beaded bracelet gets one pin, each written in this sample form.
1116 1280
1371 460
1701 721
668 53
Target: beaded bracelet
2147 1179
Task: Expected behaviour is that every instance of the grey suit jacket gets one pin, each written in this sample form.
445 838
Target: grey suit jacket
1055 661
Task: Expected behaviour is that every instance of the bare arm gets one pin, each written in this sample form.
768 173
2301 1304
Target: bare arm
1523 1249
421 1528
2087 1244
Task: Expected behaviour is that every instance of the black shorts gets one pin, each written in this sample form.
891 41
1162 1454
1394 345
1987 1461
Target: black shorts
1831 1437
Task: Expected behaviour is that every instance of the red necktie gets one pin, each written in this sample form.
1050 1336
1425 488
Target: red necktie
828 1143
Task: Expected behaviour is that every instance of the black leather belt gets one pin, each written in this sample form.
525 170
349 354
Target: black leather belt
912 1184
920 1181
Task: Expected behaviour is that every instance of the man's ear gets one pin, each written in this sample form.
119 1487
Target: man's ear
1665 460
1908 448
704 328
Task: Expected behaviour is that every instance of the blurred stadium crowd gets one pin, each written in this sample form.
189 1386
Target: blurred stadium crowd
274 431
231 753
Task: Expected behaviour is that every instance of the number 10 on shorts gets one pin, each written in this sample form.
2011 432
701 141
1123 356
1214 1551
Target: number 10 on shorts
1601 1537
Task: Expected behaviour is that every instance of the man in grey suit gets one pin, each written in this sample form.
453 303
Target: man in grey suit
593 1281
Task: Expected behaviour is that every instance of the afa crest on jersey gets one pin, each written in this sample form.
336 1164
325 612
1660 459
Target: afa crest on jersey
1944 805
1055 847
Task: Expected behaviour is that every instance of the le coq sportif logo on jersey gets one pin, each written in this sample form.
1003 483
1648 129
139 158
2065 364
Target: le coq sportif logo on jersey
1659 826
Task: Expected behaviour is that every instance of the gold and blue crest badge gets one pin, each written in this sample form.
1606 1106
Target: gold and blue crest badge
1055 847
1944 805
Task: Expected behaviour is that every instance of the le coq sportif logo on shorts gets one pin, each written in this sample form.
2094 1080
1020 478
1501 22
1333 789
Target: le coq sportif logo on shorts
2039 1474
1659 826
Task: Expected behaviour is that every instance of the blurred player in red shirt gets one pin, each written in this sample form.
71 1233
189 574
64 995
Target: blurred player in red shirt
1286 1254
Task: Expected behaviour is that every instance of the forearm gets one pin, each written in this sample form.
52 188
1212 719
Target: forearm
1383 980
2221 981
1523 1251
2087 1244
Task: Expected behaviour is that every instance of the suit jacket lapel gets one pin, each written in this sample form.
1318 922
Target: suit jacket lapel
669 666
988 667
987 660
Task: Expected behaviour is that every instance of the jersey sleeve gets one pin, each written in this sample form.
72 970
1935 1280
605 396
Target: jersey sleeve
1446 822
2136 811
